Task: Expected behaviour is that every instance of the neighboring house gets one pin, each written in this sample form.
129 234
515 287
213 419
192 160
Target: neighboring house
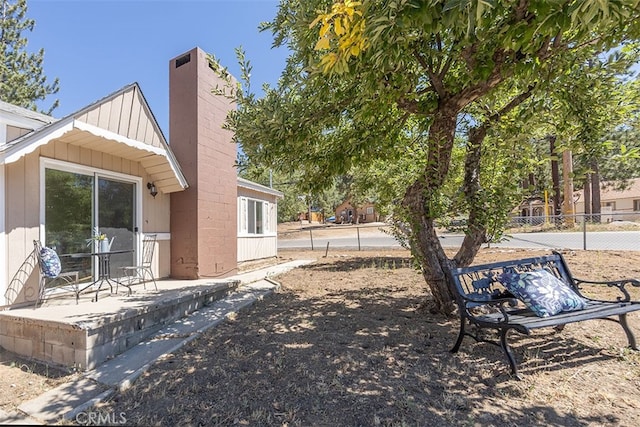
347 213
620 204
624 205
109 166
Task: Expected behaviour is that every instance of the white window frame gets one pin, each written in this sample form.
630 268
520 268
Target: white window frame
245 227
242 215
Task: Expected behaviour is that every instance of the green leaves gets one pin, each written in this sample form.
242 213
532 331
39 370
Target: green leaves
378 90
22 81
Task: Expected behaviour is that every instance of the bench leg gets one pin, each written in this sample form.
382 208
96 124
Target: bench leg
456 347
627 330
509 353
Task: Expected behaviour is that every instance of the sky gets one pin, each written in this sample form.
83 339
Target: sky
96 47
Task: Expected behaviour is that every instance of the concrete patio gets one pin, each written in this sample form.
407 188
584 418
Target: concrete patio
84 335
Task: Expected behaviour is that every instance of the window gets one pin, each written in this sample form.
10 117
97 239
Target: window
252 216
636 205
611 205
369 210
255 217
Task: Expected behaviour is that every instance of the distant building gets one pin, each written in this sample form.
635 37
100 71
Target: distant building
624 204
347 213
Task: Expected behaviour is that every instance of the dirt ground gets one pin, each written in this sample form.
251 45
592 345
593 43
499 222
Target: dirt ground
347 341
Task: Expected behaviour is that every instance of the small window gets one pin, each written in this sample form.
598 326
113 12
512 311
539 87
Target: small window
636 205
255 217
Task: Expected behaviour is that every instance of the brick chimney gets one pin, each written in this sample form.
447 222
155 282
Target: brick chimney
203 217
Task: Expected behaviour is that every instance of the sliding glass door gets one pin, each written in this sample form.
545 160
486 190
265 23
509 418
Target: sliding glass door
116 213
76 204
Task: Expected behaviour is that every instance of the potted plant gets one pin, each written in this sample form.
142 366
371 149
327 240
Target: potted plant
104 244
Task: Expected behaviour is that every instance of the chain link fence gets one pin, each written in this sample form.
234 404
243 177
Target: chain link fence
601 221
608 231
612 230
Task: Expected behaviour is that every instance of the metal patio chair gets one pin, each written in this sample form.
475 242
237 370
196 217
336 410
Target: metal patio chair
50 274
137 274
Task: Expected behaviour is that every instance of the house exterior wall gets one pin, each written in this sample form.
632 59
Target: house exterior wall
620 202
257 246
21 228
203 217
22 214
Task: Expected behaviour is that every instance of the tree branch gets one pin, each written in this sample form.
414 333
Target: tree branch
434 78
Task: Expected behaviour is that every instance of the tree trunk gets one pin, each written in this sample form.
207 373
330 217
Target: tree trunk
427 249
567 178
555 175
587 198
420 199
596 210
476 233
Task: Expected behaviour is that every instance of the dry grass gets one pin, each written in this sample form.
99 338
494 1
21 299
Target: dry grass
22 380
346 342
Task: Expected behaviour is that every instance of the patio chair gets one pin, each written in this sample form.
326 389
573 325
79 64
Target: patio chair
137 274
51 272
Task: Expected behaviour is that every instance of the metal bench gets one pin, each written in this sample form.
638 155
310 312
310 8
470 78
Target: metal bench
485 303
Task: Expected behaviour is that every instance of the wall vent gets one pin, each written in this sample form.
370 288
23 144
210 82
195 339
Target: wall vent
183 60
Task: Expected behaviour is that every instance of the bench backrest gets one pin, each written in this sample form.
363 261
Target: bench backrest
480 282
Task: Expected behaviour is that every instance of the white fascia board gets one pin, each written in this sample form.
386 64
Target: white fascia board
32 141
23 117
245 183
134 144
21 121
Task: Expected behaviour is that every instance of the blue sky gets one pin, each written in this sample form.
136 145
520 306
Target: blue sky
96 47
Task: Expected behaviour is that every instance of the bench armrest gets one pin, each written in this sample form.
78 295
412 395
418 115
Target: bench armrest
620 284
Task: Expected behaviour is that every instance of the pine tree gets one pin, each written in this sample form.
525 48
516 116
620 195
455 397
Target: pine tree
22 80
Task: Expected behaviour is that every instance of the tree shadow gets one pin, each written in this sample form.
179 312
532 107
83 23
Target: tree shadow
354 263
361 357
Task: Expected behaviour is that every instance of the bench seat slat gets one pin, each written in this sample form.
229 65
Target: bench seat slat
594 310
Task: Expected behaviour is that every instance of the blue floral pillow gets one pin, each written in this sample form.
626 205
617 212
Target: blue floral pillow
542 292
50 262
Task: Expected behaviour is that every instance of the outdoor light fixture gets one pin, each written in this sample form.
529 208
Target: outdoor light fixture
152 189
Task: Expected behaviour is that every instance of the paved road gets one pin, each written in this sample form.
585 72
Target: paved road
602 240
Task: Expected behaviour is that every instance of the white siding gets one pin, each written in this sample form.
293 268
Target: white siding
257 247
252 246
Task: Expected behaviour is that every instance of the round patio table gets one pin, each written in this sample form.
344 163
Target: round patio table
104 268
